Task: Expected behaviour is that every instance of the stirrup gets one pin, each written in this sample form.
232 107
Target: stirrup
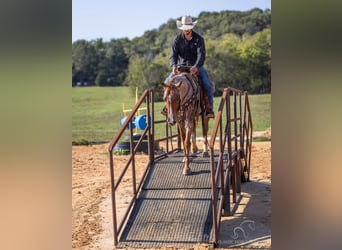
210 114
163 112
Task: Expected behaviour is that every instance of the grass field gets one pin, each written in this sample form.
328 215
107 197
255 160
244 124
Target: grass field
97 111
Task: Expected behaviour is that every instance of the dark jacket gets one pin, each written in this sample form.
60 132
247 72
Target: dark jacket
188 52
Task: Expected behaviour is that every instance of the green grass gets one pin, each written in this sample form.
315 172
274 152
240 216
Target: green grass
97 111
261 111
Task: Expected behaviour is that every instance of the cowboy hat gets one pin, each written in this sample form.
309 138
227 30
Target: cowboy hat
186 23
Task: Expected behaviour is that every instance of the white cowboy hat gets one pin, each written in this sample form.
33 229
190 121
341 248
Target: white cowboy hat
186 23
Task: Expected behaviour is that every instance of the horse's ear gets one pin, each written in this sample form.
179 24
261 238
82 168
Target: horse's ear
163 84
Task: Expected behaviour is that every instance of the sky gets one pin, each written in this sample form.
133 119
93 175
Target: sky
114 19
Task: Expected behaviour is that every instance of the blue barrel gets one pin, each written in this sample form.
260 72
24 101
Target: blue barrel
122 121
140 122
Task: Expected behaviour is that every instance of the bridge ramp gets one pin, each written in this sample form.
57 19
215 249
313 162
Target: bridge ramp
172 209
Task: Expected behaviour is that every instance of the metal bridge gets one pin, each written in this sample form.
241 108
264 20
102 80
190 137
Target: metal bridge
168 208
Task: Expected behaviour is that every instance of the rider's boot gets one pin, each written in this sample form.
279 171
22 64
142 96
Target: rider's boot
208 110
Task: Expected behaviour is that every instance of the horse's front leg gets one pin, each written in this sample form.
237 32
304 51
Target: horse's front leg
205 147
186 147
186 169
205 135
194 147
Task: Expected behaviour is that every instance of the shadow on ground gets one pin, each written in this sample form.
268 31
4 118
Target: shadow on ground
250 226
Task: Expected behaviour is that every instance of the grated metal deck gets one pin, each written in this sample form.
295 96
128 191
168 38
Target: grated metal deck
172 209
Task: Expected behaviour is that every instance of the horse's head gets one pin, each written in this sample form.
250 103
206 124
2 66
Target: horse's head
172 99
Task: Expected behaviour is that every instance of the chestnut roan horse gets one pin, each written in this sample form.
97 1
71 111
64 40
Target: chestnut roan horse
184 104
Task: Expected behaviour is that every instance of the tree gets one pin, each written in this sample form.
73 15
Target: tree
255 52
84 61
144 74
136 76
223 62
116 61
238 53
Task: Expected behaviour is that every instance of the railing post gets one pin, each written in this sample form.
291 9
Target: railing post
230 165
150 124
213 193
249 136
240 127
111 167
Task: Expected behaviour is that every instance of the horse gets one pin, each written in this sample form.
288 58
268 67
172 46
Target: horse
184 104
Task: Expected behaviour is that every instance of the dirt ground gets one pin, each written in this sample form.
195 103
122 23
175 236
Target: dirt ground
249 227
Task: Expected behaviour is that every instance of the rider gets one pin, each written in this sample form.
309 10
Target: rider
188 48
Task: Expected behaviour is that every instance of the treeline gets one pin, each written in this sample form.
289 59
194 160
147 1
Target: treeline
238 45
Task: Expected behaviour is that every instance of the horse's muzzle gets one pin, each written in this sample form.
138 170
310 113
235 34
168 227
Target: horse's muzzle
171 121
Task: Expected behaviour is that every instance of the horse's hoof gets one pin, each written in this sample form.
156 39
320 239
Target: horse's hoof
194 150
205 154
186 171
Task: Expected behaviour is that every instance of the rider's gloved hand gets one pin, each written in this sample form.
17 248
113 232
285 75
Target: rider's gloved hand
174 70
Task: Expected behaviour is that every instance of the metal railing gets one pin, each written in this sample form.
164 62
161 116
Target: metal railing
234 148
147 98
228 171
247 135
